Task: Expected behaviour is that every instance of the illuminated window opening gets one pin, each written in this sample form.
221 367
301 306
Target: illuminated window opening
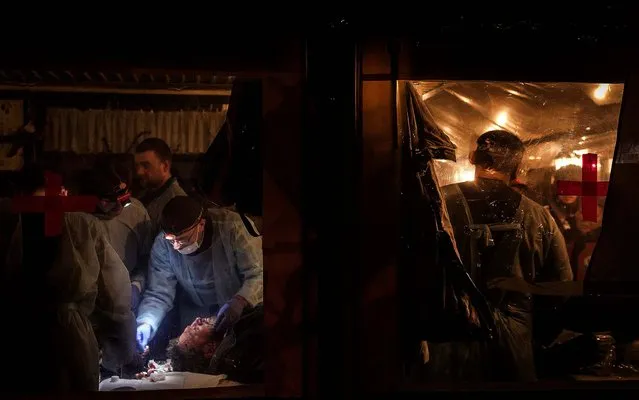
82 116
569 131
559 123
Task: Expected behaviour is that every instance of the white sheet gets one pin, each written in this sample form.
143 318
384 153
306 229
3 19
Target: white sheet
174 380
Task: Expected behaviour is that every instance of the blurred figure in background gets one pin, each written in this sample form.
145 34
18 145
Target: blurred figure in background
153 169
566 210
126 221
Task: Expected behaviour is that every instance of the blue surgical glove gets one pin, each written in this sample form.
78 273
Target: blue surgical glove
229 314
135 296
143 335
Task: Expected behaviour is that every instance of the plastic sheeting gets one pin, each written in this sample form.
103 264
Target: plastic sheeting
450 307
454 303
231 170
85 131
536 112
555 120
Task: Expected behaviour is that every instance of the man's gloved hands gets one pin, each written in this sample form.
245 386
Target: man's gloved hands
229 314
136 295
143 335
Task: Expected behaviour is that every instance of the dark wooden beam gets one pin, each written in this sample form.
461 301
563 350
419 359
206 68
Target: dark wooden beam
95 88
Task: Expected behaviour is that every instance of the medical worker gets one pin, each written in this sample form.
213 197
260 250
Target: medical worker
212 256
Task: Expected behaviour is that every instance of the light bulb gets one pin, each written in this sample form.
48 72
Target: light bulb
502 118
602 91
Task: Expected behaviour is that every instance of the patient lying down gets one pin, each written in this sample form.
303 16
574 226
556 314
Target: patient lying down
238 354
193 350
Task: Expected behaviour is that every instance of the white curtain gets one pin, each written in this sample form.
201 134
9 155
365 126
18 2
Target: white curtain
80 131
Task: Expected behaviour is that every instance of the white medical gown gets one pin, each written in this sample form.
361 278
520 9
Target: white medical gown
131 236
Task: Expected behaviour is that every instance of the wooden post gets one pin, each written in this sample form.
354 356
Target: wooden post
378 363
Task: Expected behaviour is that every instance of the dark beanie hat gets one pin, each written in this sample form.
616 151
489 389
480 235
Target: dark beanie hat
179 214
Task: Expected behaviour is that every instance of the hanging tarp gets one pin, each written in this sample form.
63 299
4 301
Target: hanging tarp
230 172
450 306
425 136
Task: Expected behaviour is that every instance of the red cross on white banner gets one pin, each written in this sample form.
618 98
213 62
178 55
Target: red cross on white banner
589 188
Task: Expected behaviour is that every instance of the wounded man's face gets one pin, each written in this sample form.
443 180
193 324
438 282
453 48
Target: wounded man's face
198 334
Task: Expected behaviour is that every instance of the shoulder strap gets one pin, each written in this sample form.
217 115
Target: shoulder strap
458 209
456 202
474 251
517 223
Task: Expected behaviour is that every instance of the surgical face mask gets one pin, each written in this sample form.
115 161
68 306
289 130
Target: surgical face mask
193 247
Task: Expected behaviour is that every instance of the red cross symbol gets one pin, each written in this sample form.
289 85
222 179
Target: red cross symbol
589 189
53 204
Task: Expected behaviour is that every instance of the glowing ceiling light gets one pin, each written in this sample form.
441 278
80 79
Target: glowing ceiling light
602 91
464 99
502 118
515 93
588 128
583 138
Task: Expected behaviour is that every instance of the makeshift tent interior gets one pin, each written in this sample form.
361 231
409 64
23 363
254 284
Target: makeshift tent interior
557 121
562 125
